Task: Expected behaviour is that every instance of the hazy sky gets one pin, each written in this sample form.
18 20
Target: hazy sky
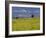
25 11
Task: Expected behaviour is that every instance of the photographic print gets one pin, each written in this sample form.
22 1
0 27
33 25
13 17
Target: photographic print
25 18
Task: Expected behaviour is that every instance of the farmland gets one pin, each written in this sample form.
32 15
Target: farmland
22 24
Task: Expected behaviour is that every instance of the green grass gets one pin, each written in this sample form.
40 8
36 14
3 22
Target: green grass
22 24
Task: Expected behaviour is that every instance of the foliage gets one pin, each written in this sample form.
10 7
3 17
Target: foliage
22 24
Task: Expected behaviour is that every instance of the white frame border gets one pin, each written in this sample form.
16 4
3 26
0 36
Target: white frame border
25 32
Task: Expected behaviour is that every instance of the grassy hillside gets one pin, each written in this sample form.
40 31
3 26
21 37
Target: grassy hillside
22 24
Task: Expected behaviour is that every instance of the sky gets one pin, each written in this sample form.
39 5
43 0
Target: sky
25 11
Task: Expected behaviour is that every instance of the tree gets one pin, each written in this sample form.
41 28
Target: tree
17 17
32 16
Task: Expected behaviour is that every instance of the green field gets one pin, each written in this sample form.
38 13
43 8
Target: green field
22 24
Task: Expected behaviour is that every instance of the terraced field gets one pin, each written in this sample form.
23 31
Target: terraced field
22 24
